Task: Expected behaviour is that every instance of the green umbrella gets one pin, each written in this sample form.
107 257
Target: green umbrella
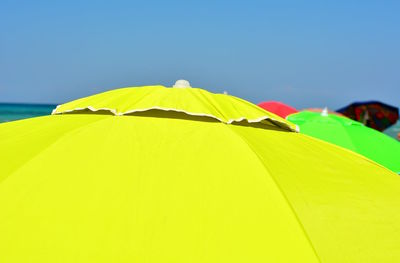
350 134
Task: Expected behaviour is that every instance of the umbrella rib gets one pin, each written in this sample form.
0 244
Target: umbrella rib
279 189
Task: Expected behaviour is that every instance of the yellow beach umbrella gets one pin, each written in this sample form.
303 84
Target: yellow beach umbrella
155 174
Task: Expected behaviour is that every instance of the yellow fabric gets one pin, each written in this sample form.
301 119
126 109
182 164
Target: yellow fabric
165 187
192 101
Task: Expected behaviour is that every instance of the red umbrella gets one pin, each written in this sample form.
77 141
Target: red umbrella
277 108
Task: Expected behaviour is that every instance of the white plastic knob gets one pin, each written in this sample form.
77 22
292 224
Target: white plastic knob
325 112
182 84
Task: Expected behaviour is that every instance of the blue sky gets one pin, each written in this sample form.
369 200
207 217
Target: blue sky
304 53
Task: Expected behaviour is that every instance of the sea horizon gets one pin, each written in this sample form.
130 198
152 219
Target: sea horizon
11 111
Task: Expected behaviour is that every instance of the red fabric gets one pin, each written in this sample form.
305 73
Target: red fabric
277 108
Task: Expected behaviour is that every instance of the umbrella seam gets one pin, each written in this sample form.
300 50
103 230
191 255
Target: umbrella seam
280 190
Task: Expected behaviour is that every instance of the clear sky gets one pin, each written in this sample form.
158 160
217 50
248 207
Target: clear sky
304 53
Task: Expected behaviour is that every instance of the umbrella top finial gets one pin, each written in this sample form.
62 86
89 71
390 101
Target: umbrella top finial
181 83
325 112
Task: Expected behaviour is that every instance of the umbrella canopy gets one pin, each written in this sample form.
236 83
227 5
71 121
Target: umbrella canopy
155 174
277 108
352 135
374 114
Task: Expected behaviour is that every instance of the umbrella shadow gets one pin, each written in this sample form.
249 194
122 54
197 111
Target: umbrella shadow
172 114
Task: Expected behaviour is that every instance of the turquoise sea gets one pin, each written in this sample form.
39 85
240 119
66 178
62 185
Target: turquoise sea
17 111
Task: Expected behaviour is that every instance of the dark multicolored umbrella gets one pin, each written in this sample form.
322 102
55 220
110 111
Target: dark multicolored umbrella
374 114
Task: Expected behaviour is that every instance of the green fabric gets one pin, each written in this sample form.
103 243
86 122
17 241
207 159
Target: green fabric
352 135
